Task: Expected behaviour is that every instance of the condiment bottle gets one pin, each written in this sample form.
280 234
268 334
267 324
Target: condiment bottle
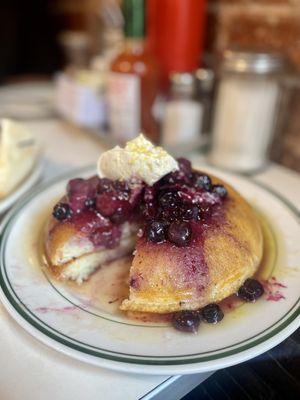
133 81
246 108
176 34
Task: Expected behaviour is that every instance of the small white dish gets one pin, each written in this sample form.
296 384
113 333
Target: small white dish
30 180
90 327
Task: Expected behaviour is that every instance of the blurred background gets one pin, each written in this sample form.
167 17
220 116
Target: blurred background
219 77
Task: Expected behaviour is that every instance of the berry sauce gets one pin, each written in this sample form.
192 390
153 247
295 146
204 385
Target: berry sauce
169 212
179 203
98 206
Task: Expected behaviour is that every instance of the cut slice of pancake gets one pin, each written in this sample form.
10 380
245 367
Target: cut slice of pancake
81 268
73 255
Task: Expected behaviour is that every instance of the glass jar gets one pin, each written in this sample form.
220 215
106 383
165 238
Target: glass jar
246 107
183 114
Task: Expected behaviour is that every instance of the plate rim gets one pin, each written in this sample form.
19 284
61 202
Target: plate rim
290 319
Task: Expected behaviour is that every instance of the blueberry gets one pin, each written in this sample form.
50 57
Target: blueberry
220 190
105 185
205 213
179 233
251 290
62 211
122 190
203 182
184 165
170 214
121 186
148 210
149 194
186 321
169 179
168 199
121 214
191 212
89 203
212 313
155 231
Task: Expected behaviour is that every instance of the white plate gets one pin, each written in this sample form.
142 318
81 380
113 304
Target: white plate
88 328
22 188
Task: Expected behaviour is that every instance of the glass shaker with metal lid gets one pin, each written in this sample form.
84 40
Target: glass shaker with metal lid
246 108
181 127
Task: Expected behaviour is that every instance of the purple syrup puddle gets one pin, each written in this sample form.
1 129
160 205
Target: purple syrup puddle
273 289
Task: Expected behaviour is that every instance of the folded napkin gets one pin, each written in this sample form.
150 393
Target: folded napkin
19 151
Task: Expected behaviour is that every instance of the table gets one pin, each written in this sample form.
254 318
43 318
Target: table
32 371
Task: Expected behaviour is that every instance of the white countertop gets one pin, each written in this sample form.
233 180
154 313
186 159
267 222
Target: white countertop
32 371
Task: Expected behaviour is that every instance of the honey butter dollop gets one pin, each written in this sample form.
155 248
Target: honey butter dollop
139 159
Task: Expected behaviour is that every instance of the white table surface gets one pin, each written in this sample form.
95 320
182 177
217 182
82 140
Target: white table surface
31 371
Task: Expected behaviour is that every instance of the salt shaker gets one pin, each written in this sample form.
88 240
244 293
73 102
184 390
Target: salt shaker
246 108
181 128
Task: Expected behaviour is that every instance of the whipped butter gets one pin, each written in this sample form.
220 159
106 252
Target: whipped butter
139 159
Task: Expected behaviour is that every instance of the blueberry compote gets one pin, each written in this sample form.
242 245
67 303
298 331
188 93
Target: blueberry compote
97 207
171 210
179 205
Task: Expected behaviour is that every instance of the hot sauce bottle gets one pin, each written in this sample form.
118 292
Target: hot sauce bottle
175 33
133 80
